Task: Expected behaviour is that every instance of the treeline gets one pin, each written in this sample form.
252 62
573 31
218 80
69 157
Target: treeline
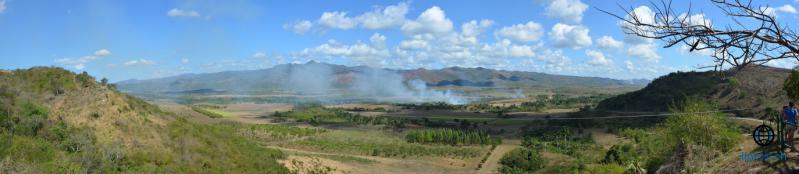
362 109
431 106
536 104
206 112
317 114
271 132
451 137
540 103
559 139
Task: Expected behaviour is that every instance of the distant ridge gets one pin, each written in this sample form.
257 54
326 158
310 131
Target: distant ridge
343 76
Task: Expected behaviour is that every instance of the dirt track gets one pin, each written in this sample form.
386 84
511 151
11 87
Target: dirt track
492 163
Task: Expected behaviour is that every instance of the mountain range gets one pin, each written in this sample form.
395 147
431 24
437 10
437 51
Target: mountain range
314 76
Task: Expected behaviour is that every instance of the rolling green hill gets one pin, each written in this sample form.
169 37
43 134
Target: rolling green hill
753 87
55 121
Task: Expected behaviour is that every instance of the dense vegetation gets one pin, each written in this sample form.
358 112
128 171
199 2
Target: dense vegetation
378 144
522 160
54 121
753 87
706 134
272 132
559 139
663 91
535 104
694 128
542 102
791 85
209 111
316 114
450 136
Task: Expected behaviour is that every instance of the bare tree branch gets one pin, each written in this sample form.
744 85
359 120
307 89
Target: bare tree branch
757 37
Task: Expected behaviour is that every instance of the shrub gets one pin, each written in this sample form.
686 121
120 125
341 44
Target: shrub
32 119
31 150
696 122
522 160
78 141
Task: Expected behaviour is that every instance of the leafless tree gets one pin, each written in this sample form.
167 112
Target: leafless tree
754 36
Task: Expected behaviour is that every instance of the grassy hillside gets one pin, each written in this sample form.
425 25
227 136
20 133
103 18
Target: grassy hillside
755 87
55 121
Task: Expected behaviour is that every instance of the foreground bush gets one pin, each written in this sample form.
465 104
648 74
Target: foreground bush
522 160
694 123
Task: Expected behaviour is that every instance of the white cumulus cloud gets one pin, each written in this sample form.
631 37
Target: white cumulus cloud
413 44
554 59
77 63
647 52
299 27
474 28
259 55
521 51
569 11
138 62
531 31
598 58
176 12
787 8
646 16
771 11
378 41
390 16
338 20
432 20
608 43
359 52
569 36
80 63
102 53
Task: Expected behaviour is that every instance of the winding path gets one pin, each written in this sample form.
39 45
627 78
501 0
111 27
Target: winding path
492 163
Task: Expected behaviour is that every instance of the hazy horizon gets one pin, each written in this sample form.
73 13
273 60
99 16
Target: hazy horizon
123 40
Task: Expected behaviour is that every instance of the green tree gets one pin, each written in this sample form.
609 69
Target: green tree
791 85
522 160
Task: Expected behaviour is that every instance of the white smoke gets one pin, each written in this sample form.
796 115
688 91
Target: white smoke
386 85
425 94
367 83
518 93
311 77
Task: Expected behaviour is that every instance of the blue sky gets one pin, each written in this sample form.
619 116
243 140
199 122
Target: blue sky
154 38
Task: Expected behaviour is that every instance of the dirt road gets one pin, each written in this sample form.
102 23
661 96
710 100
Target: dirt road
492 163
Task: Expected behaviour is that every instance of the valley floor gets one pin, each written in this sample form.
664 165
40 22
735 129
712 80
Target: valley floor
346 160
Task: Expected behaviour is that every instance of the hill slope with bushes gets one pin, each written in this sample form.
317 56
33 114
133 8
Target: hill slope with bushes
56 121
753 87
